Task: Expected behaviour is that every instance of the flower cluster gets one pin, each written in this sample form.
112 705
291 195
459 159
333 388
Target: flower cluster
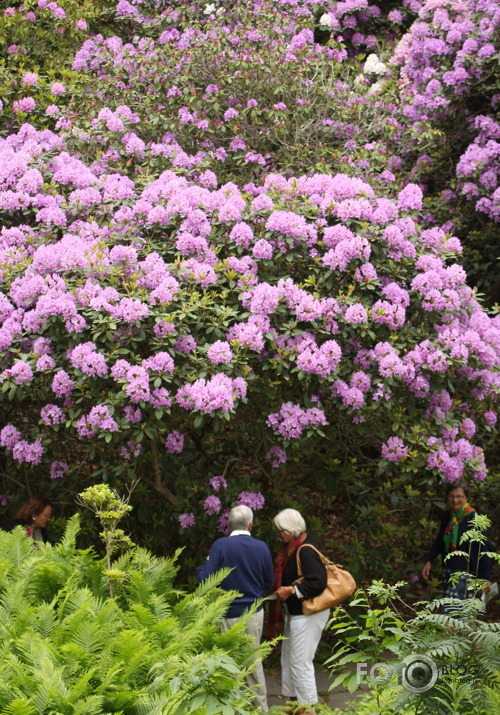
147 285
448 58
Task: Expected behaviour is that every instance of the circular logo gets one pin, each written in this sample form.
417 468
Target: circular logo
419 673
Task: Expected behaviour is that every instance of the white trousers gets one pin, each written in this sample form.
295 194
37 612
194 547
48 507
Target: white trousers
302 634
256 679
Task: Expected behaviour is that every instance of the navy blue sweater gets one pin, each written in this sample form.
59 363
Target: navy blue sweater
252 564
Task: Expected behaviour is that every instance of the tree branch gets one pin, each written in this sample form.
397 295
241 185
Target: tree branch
156 482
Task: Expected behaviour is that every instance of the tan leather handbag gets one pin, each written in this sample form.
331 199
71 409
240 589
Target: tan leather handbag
339 586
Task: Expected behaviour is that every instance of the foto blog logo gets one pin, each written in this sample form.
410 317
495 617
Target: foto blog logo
417 673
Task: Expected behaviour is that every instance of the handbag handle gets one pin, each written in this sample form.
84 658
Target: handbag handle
323 558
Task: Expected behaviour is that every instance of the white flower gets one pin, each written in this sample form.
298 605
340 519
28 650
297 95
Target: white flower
209 9
375 88
374 66
325 20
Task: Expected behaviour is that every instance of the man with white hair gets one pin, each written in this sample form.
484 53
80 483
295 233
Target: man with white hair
252 576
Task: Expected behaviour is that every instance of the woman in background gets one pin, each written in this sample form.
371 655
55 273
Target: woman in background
454 523
34 515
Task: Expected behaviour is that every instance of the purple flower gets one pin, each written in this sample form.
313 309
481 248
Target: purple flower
220 352
174 442
230 114
9 436
410 197
26 104
277 456
52 414
185 344
254 500
52 110
187 520
98 419
57 89
24 452
217 483
490 417
356 314
394 450
131 450
161 362
212 505
263 249
20 372
30 79
58 470
62 384
468 428
223 524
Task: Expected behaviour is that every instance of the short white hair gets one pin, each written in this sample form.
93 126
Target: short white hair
240 517
290 520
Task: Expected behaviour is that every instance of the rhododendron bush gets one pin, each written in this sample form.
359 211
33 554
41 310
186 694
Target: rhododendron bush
274 114
130 308
449 64
233 235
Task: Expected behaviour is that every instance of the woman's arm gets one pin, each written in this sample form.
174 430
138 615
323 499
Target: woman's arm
313 572
437 547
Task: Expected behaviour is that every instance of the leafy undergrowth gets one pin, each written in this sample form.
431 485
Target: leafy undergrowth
67 648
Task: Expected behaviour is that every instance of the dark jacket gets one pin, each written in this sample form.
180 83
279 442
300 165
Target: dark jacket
479 564
314 573
252 565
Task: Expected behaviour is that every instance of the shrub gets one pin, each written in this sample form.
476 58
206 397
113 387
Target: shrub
309 299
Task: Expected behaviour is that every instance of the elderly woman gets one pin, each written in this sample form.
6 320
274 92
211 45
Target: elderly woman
34 515
302 632
454 523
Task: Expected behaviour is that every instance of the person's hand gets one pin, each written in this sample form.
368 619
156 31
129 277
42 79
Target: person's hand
285 592
426 571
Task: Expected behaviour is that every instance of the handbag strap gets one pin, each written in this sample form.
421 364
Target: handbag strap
323 558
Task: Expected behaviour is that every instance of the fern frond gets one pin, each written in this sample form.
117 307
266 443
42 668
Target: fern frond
136 588
44 619
67 544
131 648
159 606
212 582
92 705
15 546
20 706
155 704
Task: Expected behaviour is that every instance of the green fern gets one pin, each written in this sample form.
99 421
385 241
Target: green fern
66 648
20 706
15 546
67 543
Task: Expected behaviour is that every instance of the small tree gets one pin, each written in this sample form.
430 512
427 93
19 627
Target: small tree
110 509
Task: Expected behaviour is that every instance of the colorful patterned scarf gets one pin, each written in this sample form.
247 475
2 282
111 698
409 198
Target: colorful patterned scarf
275 613
450 537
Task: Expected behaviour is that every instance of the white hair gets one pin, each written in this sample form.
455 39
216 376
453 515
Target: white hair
290 520
240 517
